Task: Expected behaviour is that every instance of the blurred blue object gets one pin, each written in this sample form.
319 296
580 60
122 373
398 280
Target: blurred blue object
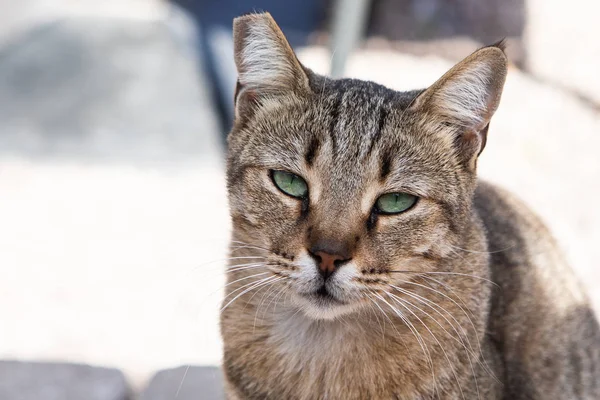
297 18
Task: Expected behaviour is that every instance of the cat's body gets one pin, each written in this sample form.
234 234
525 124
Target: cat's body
540 321
331 295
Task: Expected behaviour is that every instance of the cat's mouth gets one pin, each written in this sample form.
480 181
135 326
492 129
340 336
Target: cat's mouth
323 297
323 304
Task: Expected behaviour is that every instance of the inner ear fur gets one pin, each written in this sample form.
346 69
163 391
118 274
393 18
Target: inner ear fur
466 97
266 64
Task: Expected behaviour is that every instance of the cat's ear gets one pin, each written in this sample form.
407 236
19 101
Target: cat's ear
266 64
466 97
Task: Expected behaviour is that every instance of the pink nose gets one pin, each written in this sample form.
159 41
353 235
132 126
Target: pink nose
328 263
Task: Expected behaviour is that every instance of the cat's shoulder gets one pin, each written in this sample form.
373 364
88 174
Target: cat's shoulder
540 315
505 214
525 259
514 232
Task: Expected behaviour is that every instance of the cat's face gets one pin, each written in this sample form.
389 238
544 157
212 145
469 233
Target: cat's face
343 184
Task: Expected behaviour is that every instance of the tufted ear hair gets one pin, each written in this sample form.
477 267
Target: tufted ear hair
266 64
466 97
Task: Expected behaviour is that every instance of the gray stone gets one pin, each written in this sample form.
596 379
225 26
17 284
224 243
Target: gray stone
118 108
186 383
483 20
107 89
50 381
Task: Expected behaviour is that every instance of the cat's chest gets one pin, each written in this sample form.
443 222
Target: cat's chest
320 345
303 359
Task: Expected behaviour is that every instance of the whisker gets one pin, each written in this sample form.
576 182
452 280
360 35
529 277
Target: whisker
270 289
374 311
222 271
447 297
384 314
250 244
187 368
446 273
230 283
448 287
391 323
470 352
481 252
244 278
240 288
401 302
276 299
243 264
243 267
258 284
431 305
224 260
486 367
241 247
416 334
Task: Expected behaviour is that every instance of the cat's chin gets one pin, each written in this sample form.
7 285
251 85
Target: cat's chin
320 307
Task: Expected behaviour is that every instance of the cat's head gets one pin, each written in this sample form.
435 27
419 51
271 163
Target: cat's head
342 182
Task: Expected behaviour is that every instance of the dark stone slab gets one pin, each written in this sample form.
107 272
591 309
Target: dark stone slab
58 381
186 383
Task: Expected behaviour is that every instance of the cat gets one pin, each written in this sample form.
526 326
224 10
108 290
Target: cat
367 259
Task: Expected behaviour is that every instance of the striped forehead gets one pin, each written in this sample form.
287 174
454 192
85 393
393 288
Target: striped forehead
354 115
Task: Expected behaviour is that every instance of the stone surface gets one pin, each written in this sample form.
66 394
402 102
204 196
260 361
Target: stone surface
112 202
19 16
483 20
49 381
99 88
185 383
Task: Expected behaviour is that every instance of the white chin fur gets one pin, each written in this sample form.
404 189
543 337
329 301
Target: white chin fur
312 309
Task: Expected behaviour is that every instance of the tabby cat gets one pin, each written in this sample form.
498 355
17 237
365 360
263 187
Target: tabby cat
369 262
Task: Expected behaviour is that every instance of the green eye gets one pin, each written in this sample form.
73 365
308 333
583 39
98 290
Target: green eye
290 184
394 203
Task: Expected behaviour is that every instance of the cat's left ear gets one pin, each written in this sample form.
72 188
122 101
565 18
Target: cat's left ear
266 64
466 97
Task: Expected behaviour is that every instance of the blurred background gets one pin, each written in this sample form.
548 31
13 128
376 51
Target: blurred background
113 118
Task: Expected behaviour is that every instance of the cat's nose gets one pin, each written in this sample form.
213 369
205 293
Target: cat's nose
329 258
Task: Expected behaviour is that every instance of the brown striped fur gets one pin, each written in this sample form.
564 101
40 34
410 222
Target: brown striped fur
465 295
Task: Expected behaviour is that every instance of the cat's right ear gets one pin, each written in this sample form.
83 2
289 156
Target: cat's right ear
462 102
266 64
